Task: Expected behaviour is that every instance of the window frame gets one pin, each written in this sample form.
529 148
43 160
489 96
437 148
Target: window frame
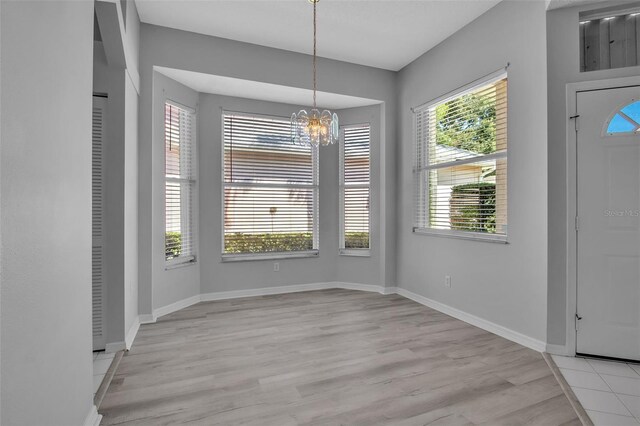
362 252
419 169
315 159
192 259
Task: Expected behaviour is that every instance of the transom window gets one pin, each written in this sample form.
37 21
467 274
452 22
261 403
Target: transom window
460 169
270 197
626 120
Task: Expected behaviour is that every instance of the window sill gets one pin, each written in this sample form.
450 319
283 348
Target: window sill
179 263
474 236
268 256
355 252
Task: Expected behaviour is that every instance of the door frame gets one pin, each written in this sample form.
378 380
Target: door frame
572 198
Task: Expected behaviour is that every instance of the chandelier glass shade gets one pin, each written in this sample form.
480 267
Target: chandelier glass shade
314 128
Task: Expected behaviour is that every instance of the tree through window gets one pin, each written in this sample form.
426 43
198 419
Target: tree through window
461 162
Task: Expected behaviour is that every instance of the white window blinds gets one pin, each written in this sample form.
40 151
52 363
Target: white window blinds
270 198
460 171
355 188
180 183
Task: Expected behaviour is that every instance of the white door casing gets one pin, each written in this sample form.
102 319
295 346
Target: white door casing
98 283
608 228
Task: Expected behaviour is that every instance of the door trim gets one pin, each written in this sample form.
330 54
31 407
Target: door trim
572 91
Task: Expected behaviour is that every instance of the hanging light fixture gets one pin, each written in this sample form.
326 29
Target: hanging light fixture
314 128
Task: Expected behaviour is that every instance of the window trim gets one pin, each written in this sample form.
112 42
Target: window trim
464 89
456 93
341 250
192 259
244 257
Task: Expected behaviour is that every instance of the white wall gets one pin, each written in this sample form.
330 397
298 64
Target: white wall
563 66
193 52
504 284
46 212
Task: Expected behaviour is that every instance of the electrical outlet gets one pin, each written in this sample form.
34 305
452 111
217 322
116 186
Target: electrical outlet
276 266
447 281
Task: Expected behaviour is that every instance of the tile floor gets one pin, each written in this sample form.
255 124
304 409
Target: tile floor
609 391
101 363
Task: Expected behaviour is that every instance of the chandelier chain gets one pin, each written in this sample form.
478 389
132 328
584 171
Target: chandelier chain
314 128
314 54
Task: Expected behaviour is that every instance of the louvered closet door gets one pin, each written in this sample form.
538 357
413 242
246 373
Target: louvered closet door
98 235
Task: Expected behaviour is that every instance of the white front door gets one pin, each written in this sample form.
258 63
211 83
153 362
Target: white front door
608 223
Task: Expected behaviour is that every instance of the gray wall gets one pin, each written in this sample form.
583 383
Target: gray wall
563 66
505 284
110 80
46 212
130 195
169 285
354 269
219 276
194 52
117 81
328 266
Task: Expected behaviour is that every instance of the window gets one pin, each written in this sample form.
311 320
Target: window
180 184
270 197
625 121
355 189
460 171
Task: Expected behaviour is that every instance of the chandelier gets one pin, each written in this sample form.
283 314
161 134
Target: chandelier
314 128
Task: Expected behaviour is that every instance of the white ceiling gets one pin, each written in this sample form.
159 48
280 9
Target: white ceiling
228 86
386 34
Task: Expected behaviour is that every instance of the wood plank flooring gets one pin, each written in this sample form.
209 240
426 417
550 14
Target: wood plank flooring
330 357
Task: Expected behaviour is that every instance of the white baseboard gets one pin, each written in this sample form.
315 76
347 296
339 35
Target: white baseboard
93 418
389 290
359 287
131 334
176 306
514 336
146 319
235 294
558 350
223 295
114 347
484 324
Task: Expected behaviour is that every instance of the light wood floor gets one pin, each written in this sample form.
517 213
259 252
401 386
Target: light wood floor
331 357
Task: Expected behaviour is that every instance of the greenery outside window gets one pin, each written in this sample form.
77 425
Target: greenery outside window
270 190
180 184
460 172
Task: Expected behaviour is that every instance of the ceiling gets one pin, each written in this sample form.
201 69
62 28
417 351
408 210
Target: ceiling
386 34
239 88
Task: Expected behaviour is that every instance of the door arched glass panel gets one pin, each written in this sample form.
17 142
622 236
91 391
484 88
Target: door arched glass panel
625 121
